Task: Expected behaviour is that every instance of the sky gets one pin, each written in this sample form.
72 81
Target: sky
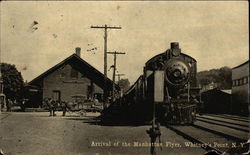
36 35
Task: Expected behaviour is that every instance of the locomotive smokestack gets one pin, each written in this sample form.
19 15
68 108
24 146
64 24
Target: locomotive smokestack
174 45
78 51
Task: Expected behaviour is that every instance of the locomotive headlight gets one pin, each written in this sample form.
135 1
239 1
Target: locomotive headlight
177 72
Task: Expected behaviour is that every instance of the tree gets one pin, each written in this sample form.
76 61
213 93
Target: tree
124 84
225 75
222 77
12 81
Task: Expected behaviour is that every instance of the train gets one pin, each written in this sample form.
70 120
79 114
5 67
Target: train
167 90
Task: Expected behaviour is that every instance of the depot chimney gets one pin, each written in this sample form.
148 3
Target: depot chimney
78 51
174 45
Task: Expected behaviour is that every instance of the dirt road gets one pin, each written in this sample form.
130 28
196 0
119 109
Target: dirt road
37 133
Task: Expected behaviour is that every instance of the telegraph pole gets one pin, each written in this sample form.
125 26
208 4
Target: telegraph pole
2 96
114 69
119 76
105 27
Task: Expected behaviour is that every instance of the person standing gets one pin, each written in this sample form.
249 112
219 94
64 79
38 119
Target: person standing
23 102
64 107
9 105
54 106
50 103
154 132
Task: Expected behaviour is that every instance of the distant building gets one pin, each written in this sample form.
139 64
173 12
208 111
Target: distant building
209 86
70 78
216 101
240 87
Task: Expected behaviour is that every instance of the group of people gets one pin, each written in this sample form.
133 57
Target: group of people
53 105
49 102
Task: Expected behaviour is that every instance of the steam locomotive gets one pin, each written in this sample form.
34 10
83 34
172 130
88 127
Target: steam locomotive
168 89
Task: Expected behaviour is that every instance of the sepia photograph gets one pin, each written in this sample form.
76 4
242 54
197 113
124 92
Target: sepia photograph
124 77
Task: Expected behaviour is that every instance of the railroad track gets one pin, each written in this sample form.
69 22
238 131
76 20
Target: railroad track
210 134
242 119
193 139
224 121
234 116
233 126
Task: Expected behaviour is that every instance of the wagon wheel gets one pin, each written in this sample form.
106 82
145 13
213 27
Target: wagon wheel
83 112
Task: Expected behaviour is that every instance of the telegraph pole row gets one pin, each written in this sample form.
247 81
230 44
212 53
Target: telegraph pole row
105 27
114 69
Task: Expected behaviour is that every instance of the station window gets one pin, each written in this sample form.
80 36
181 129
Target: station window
56 95
242 81
238 82
246 80
234 82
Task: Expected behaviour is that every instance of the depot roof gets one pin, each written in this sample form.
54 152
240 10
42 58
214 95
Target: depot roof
83 67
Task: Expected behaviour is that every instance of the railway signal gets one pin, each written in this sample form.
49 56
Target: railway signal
105 27
114 69
155 132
